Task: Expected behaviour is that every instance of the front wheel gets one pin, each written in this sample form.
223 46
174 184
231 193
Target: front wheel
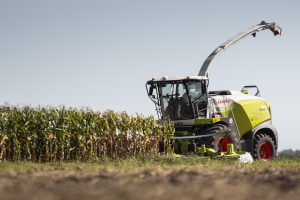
223 136
263 147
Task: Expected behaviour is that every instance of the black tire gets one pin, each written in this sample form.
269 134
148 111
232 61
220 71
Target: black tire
223 132
264 147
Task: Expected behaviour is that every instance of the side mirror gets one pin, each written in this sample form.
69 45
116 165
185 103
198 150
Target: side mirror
150 93
153 96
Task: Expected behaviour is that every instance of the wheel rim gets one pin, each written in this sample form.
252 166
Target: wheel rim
265 151
222 144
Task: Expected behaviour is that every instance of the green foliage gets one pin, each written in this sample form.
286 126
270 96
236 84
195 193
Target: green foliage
67 134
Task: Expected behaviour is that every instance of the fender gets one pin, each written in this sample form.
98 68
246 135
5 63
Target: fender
267 127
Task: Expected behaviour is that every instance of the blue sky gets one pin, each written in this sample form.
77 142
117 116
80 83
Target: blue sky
99 54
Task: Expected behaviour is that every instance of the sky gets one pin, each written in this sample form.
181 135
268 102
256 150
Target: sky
99 54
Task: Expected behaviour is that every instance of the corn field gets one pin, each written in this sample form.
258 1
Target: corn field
68 134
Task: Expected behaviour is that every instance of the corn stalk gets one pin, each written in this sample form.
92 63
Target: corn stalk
67 134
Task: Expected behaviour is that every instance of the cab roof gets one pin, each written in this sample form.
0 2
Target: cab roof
165 78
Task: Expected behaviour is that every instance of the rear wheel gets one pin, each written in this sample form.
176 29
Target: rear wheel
263 147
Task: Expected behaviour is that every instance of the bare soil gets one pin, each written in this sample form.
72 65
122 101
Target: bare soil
203 183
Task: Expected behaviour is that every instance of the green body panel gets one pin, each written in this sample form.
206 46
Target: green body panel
248 114
204 121
184 146
184 143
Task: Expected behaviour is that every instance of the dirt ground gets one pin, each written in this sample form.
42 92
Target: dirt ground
211 184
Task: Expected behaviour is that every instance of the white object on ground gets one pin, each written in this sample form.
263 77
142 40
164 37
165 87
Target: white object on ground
246 158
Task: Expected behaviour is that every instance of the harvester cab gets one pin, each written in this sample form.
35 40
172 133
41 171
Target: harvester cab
216 119
179 98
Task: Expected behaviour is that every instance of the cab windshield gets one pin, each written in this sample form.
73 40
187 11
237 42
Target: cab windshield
181 100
